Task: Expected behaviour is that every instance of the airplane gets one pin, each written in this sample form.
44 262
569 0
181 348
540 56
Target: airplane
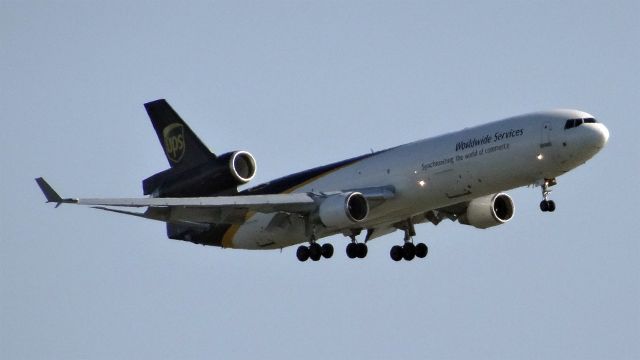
460 176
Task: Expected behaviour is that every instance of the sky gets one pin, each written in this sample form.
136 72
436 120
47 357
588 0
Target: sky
301 84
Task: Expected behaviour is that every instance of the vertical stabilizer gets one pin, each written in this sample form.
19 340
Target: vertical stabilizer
181 146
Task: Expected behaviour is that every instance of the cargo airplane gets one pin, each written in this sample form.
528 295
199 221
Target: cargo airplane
458 176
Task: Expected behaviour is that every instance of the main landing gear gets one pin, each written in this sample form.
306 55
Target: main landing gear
356 249
547 205
314 251
409 250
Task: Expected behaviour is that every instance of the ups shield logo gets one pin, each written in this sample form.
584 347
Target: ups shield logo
174 145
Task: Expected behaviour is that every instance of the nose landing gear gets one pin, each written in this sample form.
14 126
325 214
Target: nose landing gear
547 205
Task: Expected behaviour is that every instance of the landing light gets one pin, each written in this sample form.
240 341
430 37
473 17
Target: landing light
540 157
421 183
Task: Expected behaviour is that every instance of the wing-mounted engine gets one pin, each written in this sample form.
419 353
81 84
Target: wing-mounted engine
219 175
343 209
488 211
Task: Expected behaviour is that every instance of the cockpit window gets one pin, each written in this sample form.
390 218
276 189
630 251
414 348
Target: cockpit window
571 123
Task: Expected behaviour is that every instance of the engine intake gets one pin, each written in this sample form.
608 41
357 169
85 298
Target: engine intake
344 209
242 166
488 211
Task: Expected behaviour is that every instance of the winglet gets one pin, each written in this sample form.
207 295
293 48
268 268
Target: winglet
50 194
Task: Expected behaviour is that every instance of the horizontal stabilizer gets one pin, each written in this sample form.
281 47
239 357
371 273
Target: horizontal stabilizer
51 195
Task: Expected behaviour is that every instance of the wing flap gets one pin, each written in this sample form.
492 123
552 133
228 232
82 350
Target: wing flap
157 216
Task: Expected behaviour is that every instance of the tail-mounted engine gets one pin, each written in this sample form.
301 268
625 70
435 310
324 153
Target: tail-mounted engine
215 176
344 209
241 164
488 211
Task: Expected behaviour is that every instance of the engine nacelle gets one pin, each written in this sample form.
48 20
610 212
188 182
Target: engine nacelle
344 209
217 175
488 211
241 164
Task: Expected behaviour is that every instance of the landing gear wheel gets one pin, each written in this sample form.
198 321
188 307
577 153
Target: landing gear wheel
552 206
421 250
544 205
396 253
408 251
352 250
547 205
362 250
302 253
327 251
315 251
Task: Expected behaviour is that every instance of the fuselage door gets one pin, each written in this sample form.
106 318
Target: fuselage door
546 135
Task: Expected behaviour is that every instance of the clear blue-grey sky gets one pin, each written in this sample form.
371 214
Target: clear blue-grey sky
301 84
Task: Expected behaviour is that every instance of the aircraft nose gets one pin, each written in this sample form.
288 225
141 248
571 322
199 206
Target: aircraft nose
602 135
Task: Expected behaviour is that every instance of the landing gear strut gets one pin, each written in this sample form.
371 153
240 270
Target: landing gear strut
409 250
546 204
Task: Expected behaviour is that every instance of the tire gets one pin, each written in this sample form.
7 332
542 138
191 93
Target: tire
421 250
408 251
352 250
552 206
315 251
544 205
362 250
396 253
302 253
327 250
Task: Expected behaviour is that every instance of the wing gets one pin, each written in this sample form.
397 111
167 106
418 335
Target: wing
211 210
486 211
193 211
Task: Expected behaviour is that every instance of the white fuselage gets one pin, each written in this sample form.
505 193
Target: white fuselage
441 171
